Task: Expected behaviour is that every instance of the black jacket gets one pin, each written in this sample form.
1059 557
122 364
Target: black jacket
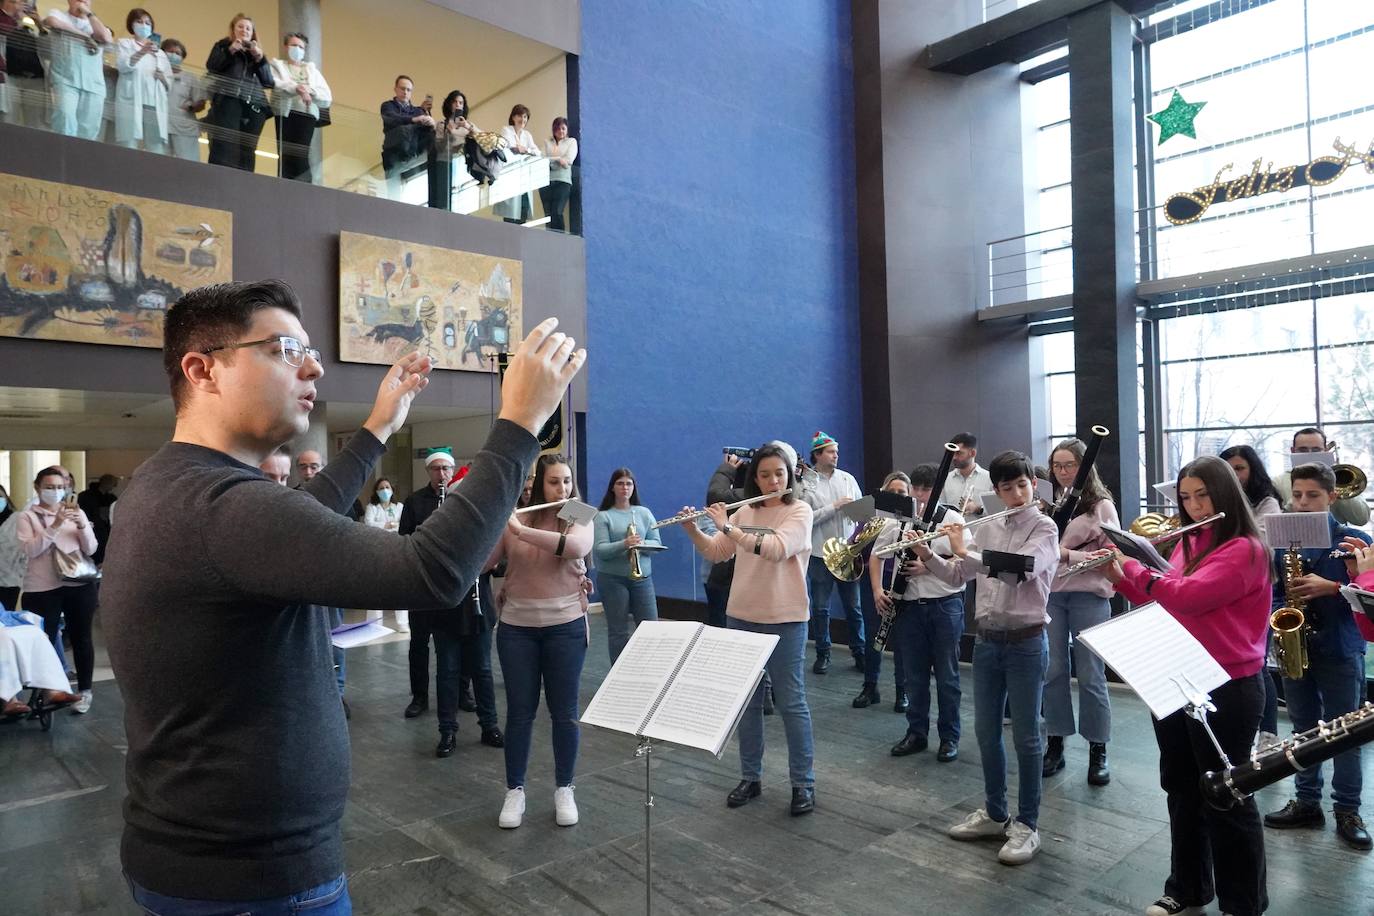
235 74
476 612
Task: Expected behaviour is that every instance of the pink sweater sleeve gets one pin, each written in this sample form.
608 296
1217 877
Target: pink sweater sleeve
578 544
1231 570
1365 580
789 538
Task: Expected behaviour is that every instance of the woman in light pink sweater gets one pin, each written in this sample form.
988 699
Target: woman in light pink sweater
1076 603
542 637
768 595
1219 589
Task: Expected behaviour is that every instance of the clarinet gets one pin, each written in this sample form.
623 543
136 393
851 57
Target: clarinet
1225 789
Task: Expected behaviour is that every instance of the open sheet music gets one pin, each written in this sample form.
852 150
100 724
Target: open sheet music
1361 601
351 635
1156 657
1136 547
686 683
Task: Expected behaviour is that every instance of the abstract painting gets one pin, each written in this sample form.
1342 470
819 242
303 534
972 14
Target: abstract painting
86 265
457 307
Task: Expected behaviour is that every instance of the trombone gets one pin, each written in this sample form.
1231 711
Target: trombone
929 536
1103 559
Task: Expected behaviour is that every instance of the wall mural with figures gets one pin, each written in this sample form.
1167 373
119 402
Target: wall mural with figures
85 265
457 307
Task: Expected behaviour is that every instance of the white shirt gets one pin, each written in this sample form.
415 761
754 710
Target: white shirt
383 516
925 585
959 488
524 138
820 493
13 560
186 90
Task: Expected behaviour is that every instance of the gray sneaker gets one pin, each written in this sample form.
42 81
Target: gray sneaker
978 826
83 705
1021 846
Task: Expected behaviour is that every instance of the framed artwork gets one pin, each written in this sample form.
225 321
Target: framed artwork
457 307
91 266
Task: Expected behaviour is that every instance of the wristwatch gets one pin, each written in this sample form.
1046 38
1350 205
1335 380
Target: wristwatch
726 529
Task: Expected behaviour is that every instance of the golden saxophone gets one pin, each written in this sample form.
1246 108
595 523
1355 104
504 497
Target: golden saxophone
1289 623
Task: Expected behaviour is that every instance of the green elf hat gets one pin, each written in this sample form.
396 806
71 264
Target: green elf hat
821 440
442 451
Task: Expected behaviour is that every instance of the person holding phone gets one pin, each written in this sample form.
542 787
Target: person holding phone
237 73
141 92
55 523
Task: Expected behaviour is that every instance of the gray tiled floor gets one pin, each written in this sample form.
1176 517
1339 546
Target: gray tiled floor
422 838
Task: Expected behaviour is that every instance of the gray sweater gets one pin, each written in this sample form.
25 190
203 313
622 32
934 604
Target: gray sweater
238 761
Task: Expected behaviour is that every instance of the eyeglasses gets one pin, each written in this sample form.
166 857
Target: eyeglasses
292 351
1063 465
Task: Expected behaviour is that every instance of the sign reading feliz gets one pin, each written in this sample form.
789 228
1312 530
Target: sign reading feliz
1189 206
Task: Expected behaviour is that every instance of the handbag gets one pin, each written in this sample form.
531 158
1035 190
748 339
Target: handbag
325 119
74 566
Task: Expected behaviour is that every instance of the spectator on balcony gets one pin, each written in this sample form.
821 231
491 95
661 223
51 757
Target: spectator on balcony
407 131
77 39
186 98
237 74
562 152
23 83
301 98
520 142
450 141
141 93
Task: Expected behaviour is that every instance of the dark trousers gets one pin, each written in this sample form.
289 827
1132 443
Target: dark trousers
9 598
294 135
873 654
555 197
456 657
421 630
1210 849
234 134
716 600
78 604
927 632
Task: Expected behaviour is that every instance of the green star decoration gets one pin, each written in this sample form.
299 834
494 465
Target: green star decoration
1177 118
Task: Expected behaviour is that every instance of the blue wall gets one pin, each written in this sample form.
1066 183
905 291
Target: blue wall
718 201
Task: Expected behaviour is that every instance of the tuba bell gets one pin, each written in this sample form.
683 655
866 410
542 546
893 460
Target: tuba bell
845 558
1350 480
1154 524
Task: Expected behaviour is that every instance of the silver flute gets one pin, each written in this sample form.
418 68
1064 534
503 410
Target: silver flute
730 507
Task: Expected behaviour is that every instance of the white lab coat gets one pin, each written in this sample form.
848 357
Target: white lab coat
138 87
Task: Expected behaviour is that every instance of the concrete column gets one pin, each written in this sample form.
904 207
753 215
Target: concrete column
304 16
1104 301
21 477
76 463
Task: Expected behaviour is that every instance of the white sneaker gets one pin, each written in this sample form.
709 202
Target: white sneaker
564 806
83 706
512 809
1021 846
1168 906
402 628
977 826
1264 741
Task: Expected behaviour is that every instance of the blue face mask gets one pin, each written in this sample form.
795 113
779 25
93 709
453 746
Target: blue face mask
142 30
296 53
3 503
384 495
174 58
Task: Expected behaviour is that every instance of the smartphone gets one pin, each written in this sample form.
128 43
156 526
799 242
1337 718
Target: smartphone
156 39
70 500
739 452
429 98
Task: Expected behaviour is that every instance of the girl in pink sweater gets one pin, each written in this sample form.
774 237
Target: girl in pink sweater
1219 589
768 595
542 637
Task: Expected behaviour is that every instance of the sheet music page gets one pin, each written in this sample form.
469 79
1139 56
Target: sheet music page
704 701
352 635
639 675
1155 656
1300 529
1136 547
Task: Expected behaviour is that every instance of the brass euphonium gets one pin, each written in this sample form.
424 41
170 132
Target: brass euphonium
1289 623
635 572
845 557
1350 480
1156 524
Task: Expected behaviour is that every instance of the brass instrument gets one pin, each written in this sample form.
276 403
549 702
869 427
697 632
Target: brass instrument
1155 541
1350 480
844 557
1156 524
635 572
701 513
930 536
1289 623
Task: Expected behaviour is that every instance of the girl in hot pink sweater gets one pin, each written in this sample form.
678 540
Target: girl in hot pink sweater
1219 589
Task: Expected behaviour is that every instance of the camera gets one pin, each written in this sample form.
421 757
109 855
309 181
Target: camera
743 454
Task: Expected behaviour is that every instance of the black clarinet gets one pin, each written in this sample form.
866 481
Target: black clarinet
1063 511
1224 789
899 559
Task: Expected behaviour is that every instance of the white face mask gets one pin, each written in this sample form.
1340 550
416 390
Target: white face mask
142 30
51 498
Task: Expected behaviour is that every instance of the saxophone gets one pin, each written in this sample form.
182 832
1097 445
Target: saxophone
1289 623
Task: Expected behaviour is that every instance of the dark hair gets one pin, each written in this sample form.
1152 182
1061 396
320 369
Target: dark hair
518 110
403 77
1223 488
541 466
557 121
1010 465
51 470
967 440
450 104
1308 431
1323 475
608 500
6 512
172 42
1042 473
923 475
136 14
751 484
290 35
1094 491
239 17
374 500
1259 486
212 316
896 475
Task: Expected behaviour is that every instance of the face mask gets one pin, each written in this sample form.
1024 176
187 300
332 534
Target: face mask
296 53
384 495
142 30
174 58
51 497
3 503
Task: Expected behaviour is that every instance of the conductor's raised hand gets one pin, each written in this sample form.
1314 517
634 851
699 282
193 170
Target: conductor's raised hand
407 378
538 375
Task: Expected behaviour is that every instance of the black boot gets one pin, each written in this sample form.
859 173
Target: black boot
822 661
448 743
1098 774
1054 756
910 744
768 699
901 703
867 697
1296 814
803 801
743 793
1351 830
416 707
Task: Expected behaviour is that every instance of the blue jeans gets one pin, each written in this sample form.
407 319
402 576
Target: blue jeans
553 656
621 598
784 667
873 656
1332 686
329 899
1069 613
336 620
457 658
927 632
1015 671
820 583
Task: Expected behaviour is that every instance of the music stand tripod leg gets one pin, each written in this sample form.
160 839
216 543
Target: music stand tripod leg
646 750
